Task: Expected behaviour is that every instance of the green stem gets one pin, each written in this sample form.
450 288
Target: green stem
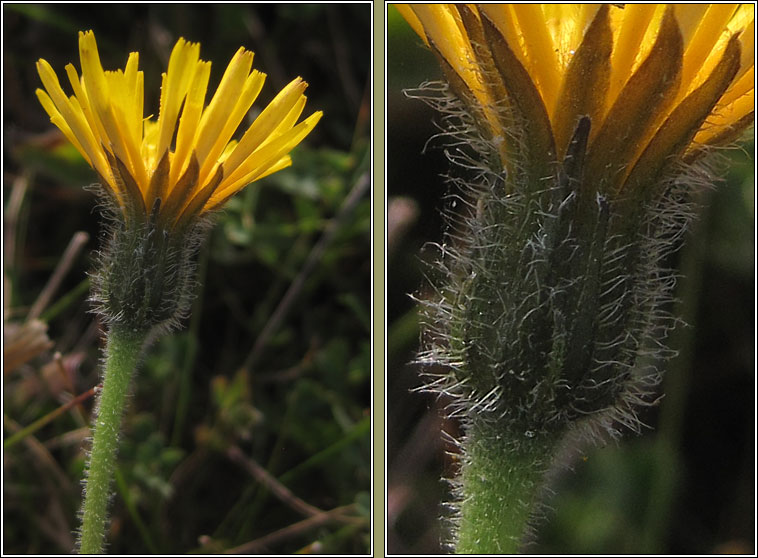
501 482
122 352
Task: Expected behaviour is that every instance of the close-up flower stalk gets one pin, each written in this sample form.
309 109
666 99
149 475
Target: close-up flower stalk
579 137
161 181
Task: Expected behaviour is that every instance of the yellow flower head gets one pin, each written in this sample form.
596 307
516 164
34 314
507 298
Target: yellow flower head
185 163
655 80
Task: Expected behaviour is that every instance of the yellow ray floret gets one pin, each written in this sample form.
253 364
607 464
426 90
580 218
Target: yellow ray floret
186 158
634 69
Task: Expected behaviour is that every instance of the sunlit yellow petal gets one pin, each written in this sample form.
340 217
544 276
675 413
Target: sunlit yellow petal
134 80
747 39
722 120
215 117
708 33
272 151
94 123
288 121
75 121
632 24
95 150
406 11
443 27
282 163
530 108
188 124
689 17
128 125
218 200
58 120
245 98
181 67
540 51
586 83
149 148
267 122
504 19
680 127
639 108
742 86
99 95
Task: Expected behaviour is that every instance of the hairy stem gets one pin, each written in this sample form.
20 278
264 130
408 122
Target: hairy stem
122 353
501 483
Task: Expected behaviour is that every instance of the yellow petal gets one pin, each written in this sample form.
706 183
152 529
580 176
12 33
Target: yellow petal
128 125
149 148
221 106
443 27
189 121
218 200
540 51
415 23
680 127
743 85
60 122
282 163
245 98
135 94
266 122
641 105
526 99
496 119
181 68
747 38
73 118
288 121
99 95
504 19
708 32
586 82
631 24
727 123
268 153
94 123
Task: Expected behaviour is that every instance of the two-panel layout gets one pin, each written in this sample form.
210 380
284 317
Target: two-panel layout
231 327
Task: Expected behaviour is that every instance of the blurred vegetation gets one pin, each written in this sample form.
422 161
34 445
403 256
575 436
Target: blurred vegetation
685 485
248 430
